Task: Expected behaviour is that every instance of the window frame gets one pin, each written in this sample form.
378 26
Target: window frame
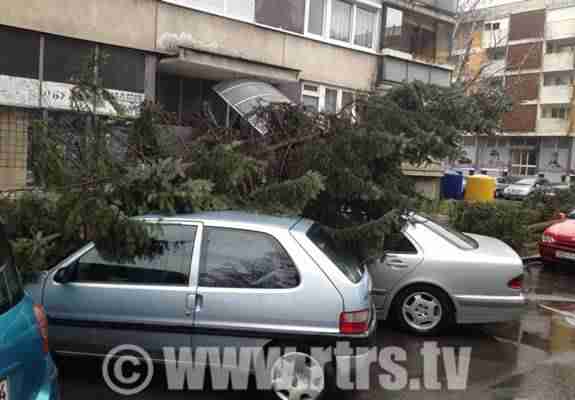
523 167
320 94
326 26
194 263
203 254
413 243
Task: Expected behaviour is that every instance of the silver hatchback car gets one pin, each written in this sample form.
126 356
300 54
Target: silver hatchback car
222 279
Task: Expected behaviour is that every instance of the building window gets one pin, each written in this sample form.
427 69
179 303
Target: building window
328 99
557 79
523 162
493 26
497 54
344 21
555 112
559 48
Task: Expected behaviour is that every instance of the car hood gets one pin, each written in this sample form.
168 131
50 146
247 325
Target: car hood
519 188
490 247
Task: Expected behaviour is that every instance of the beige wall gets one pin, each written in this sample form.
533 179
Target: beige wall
129 23
317 61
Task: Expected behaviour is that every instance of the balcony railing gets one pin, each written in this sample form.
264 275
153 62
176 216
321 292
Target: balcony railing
449 6
552 125
563 61
560 29
560 94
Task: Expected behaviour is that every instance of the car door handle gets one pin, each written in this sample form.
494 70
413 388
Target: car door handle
194 303
396 263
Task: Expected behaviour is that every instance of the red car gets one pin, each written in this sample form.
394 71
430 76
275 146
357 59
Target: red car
557 243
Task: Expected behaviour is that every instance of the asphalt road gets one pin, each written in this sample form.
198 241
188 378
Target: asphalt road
529 359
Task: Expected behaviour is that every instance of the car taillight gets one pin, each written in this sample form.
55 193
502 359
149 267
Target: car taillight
516 283
353 323
547 238
42 323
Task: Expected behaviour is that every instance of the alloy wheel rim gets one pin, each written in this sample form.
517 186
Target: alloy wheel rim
297 376
422 311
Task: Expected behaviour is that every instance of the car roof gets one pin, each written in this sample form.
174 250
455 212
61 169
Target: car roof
235 218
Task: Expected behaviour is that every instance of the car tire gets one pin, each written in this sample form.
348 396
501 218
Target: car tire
423 310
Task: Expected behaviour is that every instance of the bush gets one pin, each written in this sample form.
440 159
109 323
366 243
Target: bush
506 221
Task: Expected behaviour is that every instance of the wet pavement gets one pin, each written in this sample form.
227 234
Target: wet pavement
529 359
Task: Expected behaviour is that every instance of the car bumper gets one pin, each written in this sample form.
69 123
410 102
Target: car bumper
489 309
49 389
548 252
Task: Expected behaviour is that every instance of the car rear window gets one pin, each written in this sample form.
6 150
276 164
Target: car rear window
451 235
344 260
11 290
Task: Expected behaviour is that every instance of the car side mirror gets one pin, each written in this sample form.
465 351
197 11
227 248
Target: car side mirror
65 275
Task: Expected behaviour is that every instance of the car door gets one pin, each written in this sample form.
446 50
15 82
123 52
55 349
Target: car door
402 256
147 301
253 285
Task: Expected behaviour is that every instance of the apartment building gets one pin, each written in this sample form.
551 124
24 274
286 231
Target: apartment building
218 56
529 46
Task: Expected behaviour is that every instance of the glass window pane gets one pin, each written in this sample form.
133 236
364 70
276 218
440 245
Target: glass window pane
331 100
397 242
169 264
394 18
341 20
311 102
316 15
236 258
364 27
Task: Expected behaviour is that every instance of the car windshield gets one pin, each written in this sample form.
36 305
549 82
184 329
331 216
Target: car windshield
345 261
525 182
451 235
10 286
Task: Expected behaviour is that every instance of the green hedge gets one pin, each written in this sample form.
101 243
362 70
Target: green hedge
508 221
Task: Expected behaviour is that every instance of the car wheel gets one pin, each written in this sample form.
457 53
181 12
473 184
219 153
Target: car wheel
295 374
423 310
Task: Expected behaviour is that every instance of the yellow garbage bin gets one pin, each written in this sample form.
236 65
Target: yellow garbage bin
480 188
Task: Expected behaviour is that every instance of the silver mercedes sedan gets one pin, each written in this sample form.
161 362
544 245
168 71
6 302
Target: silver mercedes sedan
432 276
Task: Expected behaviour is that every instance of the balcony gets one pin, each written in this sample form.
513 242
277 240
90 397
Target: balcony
563 61
402 67
552 126
449 6
560 29
443 10
556 94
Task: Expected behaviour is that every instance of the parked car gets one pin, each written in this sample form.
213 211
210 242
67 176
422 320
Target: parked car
557 244
26 368
524 187
502 183
222 279
433 276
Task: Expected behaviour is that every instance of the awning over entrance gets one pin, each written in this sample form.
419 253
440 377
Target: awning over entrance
245 96
203 64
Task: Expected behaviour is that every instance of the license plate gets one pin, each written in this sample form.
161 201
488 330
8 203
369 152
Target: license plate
4 392
566 255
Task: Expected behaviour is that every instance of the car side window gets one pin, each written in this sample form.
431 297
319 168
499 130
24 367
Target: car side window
233 258
168 265
398 243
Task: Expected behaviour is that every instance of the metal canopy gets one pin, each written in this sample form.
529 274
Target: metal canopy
245 96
